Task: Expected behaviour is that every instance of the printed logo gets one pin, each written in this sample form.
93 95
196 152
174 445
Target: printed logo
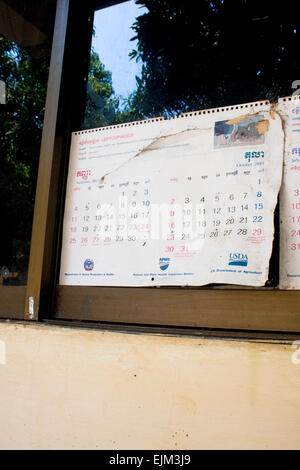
84 174
164 263
238 259
296 110
88 265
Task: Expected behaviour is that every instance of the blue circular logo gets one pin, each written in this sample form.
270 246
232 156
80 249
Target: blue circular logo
88 265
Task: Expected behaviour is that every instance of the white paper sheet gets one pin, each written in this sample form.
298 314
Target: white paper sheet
289 109
186 201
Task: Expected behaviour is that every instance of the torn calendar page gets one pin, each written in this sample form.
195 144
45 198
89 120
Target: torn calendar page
182 202
289 109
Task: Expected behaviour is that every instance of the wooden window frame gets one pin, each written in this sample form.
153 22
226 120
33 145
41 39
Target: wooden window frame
262 311
12 298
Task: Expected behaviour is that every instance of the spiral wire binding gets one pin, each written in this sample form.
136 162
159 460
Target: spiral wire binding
246 106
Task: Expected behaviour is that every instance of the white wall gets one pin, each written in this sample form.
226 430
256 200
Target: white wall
86 389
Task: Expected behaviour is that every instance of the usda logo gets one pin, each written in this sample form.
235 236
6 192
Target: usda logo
238 259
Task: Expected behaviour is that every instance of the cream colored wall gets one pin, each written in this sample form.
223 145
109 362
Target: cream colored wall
74 388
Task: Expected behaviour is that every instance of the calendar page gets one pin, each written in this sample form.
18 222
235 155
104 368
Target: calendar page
182 202
289 109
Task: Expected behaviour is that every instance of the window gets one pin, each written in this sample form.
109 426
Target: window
185 58
26 30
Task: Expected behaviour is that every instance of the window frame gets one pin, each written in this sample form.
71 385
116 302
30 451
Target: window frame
12 298
261 311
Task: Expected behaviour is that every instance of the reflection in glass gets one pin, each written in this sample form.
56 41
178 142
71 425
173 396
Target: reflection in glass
189 56
26 30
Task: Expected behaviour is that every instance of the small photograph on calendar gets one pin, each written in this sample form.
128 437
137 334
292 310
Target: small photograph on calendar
238 132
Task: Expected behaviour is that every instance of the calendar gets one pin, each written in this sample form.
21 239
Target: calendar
187 201
289 109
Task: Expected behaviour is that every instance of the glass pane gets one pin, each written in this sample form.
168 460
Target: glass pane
26 29
153 58
163 57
